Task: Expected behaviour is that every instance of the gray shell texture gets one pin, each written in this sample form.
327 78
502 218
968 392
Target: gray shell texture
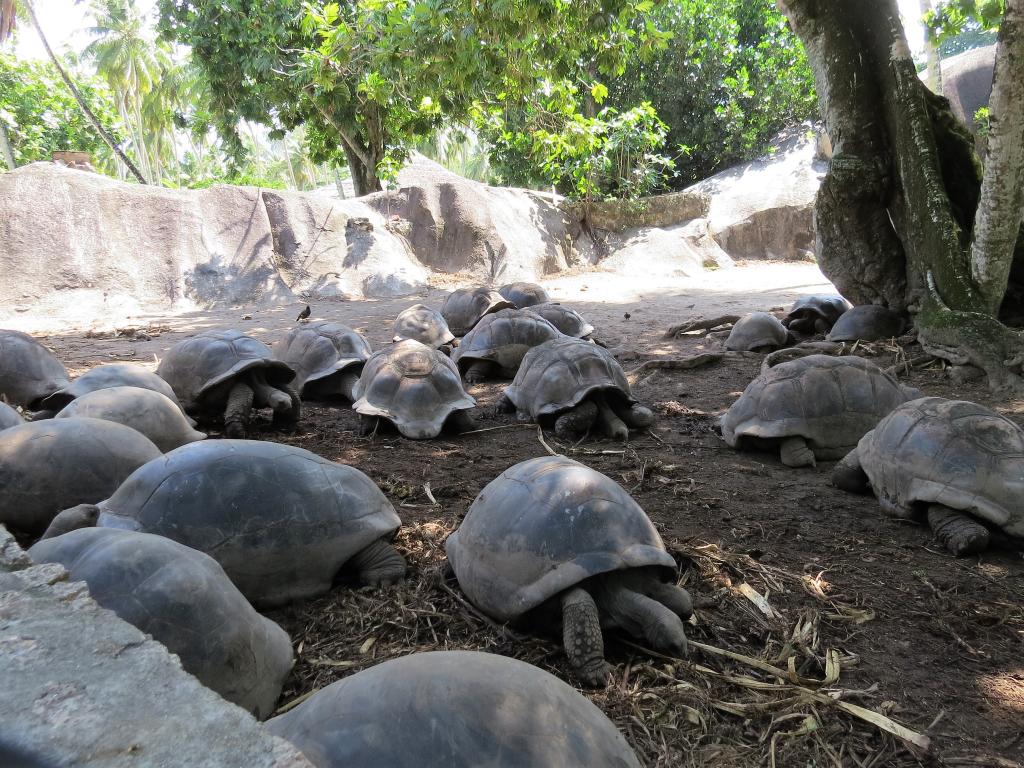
524 294
453 709
198 365
561 373
423 324
503 338
9 417
758 330
49 466
151 413
829 307
950 452
28 370
318 351
184 600
107 376
281 521
413 386
463 308
829 401
543 526
868 322
568 321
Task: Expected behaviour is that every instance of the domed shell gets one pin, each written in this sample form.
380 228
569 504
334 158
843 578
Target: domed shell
423 324
758 330
105 377
561 373
524 294
318 351
28 370
568 321
453 709
829 401
199 364
867 322
9 417
951 452
545 525
145 411
463 308
186 602
503 338
49 466
413 386
281 521
827 307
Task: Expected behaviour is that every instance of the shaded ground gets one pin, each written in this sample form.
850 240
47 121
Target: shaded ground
931 641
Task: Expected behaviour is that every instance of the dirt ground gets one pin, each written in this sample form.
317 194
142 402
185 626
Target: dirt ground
859 610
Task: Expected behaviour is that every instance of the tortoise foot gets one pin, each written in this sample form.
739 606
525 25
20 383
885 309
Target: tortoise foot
959 532
795 452
577 421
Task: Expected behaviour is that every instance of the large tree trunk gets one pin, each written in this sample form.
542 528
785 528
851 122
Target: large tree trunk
896 210
5 148
78 97
364 178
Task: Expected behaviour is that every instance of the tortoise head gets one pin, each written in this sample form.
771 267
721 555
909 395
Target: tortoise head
82 516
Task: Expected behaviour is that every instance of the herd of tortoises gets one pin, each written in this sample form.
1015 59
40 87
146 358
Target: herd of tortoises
186 538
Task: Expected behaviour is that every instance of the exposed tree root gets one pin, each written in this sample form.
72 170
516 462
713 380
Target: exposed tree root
700 324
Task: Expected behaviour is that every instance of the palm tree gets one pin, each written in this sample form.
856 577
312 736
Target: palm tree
8 11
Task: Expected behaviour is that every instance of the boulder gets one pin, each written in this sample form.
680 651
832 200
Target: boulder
763 209
967 82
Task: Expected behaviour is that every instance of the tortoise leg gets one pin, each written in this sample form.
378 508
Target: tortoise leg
480 370
347 385
289 417
367 424
576 421
581 634
82 516
460 421
959 532
446 349
636 416
848 475
611 424
795 452
378 564
236 415
641 616
505 405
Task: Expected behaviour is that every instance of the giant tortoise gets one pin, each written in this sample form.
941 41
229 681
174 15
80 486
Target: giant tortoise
813 408
47 466
414 387
953 462
453 709
757 332
151 413
554 542
230 373
105 377
9 417
184 600
524 294
578 385
29 372
568 321
497 344
815 314
281 521
463 308
425 325
868 322
327 359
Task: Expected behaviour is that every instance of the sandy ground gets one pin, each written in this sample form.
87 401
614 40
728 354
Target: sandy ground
933 642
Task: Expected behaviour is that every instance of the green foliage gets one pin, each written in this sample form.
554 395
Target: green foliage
42 116
972 36
614 154
732 76
954 17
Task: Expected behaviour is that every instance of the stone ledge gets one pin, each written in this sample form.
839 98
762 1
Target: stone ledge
82 687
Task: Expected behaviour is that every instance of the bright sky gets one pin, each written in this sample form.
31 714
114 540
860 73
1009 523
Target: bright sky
64 22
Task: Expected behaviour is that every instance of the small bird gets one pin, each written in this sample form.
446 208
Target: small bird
304 314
